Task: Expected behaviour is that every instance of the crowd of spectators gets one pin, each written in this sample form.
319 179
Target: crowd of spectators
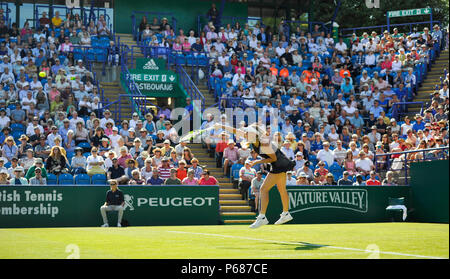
329 105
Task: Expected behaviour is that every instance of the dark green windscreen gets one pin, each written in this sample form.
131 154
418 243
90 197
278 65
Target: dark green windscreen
184 11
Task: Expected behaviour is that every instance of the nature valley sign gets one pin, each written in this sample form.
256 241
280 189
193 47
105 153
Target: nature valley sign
336 204
307 199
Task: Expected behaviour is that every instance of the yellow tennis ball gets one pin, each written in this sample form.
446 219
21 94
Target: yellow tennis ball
42 74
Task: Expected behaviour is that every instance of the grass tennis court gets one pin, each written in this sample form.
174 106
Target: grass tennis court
324 241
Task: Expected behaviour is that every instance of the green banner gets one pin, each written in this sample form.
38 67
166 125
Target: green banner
429 184
411 12
323 204
79 206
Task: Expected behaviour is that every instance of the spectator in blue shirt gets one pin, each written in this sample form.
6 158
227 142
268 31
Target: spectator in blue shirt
376 109
155 179
402 92
357 121
316 144
419 125
347 88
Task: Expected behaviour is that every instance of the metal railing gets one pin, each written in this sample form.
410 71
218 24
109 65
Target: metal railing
395 162
381 28
190 86
399 109
7 10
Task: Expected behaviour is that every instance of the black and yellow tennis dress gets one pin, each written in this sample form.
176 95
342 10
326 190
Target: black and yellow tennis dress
282 164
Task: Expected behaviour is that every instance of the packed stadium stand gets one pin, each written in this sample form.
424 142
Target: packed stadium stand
348 112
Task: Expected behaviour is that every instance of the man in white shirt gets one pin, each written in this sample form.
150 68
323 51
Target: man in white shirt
370 60
238 78
28 100
340 100
339 153
280 51
105 119
364 165
341 46
249 99
115 138
357 47
223 58
326 154
33 123
253 42
75 119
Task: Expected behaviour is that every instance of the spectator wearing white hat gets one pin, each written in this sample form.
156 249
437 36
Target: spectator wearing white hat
18 178
106 118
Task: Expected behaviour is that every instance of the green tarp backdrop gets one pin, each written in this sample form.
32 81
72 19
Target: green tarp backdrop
429 187
79 206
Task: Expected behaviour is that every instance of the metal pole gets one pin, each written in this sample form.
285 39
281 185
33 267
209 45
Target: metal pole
388 24
431 19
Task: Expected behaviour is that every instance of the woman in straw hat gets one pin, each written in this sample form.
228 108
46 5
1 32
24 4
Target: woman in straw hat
9 149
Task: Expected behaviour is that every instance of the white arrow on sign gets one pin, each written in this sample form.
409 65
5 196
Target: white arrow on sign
172 78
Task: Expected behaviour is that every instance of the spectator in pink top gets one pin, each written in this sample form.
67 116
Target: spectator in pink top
186 45
124 156
190 179
177 46
207 179
231 156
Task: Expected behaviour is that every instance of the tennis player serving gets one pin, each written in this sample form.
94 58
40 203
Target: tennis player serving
262 144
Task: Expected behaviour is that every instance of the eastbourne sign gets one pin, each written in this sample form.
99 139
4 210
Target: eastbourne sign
412 12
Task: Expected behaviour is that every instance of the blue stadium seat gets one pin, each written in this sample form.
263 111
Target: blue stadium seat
235 168
52 179
82 179
99 179
17 127
65 179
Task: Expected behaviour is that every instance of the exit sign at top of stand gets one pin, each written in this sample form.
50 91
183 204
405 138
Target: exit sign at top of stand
412 12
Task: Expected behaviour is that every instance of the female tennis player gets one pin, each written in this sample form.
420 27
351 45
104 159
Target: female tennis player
279 165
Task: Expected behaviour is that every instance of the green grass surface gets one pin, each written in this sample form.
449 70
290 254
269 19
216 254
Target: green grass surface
324 241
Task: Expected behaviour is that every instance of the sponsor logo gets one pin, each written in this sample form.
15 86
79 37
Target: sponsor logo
308 199
150 65
128 202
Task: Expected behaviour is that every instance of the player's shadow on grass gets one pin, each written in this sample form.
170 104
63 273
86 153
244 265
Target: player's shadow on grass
304 245
299 246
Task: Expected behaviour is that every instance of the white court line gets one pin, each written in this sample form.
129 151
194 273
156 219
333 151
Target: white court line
308 244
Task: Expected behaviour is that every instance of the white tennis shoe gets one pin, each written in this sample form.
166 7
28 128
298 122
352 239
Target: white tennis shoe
260 221
105 225
119 225
284 218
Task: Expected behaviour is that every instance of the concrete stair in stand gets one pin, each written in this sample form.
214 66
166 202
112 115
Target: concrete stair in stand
233 209
112 90
430 82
